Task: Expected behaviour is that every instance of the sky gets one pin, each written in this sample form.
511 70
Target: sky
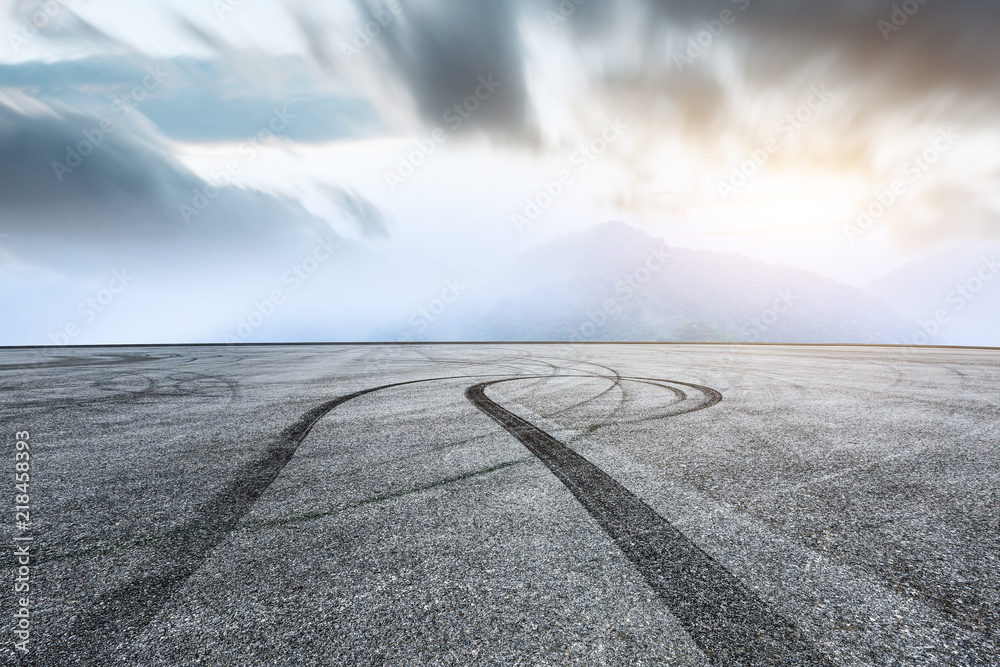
226 170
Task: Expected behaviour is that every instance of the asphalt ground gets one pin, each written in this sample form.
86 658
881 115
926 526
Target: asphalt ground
506 504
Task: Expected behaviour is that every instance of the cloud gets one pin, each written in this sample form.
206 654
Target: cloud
203 100
58 25
66 180
944 54
121 208
439 50
317 41
892 88
359 210
560 82
124 177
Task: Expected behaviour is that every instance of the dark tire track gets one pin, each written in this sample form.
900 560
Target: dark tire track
125 611
706 590
76 362
729 622
122 613
616 383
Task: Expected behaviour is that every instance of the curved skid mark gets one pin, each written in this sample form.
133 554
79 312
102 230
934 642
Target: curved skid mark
124 612
96 360
730 624
616 382
479 364
681 397
711 397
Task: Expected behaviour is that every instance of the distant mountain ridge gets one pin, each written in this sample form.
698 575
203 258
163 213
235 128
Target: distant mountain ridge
613 282
954 296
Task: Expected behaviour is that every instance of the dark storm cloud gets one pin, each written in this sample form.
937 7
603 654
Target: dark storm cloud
886 64
122 186
65 178
894 57
891 71
896 70
441 51
911 61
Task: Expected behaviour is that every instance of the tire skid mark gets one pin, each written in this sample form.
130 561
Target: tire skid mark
612 385
77 362
170 386
616 383
730 624
671 408
125 611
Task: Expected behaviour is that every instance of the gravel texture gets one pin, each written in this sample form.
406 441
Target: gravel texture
314 505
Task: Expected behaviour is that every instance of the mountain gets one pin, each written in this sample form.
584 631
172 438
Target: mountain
955 294
614 282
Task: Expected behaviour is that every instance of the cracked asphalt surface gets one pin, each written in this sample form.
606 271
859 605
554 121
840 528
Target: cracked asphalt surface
508 504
